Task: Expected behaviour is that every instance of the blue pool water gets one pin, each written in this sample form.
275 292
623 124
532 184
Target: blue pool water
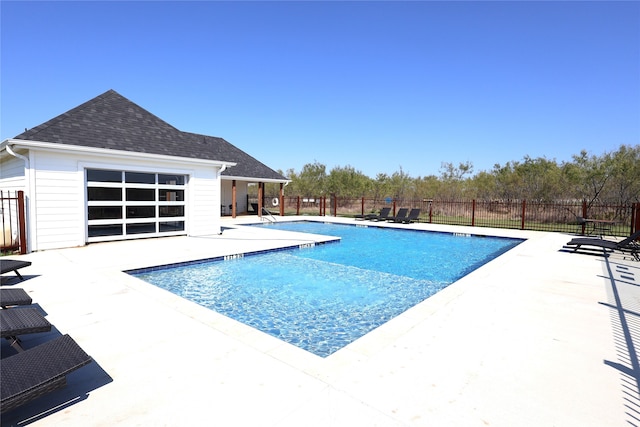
325 297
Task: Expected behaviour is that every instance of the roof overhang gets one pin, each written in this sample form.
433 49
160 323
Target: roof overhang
105 152
252 179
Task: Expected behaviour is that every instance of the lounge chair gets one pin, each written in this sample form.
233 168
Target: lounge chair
412 217
384 214
628 245
365 216
401 215
11 297
7 265
21 321
39 370
371 216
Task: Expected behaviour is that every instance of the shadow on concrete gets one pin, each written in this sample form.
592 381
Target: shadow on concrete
79 385
624 302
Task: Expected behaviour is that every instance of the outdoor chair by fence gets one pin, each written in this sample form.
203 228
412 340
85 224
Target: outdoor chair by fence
21 321
412 217
401 215
7 265
39 370
383 215
598 227
365 216
628 245
371 216
10 297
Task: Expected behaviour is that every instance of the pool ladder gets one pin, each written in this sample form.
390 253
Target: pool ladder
269 216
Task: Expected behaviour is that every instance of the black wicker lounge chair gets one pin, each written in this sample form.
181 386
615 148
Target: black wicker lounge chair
39 370
383 215
372 216
11 297
628 245
7 265
412 217
21 321
401 215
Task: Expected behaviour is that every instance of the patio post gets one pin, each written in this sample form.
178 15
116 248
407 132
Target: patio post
260 196
22 224
281 199
233 199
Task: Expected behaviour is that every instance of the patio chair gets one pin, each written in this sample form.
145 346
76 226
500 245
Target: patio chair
628 245
598 226
11 297
39 370
7 265
383 215
21 321
365 216
401 215
371 216
412 217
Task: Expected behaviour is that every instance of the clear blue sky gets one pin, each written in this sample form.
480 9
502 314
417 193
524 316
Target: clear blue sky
378 86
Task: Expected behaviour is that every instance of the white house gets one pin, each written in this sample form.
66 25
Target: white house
110 170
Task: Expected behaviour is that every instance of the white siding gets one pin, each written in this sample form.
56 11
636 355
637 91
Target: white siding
58 202
241 196
12 174
204 203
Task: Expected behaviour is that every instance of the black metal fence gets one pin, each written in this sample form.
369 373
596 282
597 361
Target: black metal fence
12 218
515 214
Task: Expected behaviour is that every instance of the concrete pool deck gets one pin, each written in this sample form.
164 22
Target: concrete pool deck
537 337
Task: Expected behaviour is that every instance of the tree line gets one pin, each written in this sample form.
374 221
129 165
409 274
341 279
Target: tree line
611 177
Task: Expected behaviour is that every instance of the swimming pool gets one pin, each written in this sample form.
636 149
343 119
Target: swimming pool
324 297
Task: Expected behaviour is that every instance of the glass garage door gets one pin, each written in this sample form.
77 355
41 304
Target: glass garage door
128 205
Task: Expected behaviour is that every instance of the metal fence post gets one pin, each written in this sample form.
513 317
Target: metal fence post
524 212
584 215
473 212
22 223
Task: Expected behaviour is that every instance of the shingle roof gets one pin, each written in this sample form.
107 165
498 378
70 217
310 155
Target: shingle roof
111 121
